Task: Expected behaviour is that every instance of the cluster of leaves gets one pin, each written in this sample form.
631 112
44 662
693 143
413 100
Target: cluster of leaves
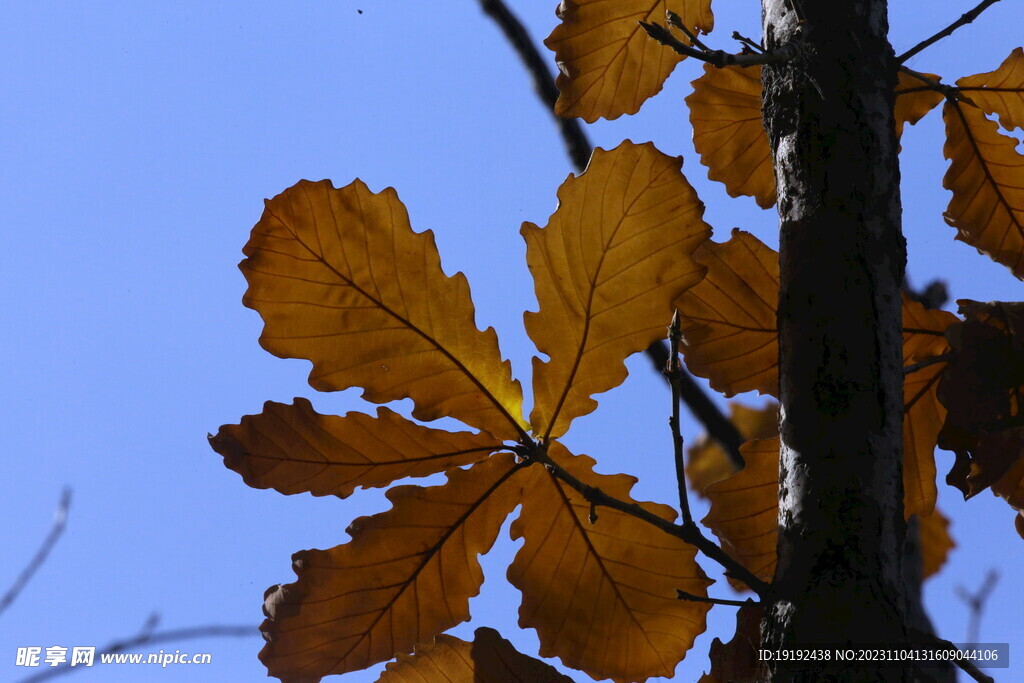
341 279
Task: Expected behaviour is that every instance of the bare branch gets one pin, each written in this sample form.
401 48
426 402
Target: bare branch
719 58
673 372
59 522
715 423
150 638
752 44
576 141
962 21
976 603
690 533
921 365
690 597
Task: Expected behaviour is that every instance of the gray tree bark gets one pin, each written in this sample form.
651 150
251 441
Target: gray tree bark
829 117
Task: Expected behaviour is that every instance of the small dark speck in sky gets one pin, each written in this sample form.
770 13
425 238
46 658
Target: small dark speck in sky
360 11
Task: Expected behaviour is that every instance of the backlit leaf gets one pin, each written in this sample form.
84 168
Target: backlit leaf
707 462
745 508
982 389
728 318
340 279
923 414
406 576
607 267
737 660
725 112
986 176
294 449
914 99
608 65
488 659
602 595
933 532
1001 91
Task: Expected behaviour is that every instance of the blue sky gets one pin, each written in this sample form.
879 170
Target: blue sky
139 140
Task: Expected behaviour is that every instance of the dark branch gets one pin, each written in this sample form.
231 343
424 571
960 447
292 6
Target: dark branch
719 58
921 365
718 426
59 522
690 533
150 638
962 21
690 597
976 603
673 372
575 139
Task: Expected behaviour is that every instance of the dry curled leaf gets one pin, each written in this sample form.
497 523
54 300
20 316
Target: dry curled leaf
608 65
725 112
986 176
606 268
614 580
340 279
294 449
406 576
728 318
488 659
982 390
1011 488
737 660
1001 91
707 462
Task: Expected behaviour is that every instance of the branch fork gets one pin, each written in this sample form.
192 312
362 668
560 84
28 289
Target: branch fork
751 53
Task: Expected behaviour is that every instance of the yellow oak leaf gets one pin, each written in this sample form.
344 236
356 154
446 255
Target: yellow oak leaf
406 576
1001 91
728 318
933 532
608 65
488 659
613 579
294 449
707 462
613 257
986 176
340 279
725 112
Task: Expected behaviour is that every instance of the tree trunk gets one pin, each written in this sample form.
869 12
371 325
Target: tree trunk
829 117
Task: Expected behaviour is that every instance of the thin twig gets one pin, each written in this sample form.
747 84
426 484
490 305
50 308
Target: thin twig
690 533
673 372
175 635
690 597
976 603
962 21
677 21
576 142
752 44
59 522
921 365
965 665
950 92
716 424
719 58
